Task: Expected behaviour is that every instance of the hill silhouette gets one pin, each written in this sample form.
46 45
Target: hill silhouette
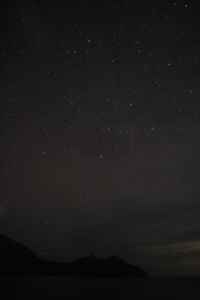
112 266
18 259
15 258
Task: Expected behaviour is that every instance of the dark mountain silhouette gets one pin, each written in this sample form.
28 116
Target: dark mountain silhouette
18 259
112 266
15 258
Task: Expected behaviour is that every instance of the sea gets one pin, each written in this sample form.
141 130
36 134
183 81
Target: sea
99 288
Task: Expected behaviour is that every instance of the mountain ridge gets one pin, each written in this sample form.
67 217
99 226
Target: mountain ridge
16 258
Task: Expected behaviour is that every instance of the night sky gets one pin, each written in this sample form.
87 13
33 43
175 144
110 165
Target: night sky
100 130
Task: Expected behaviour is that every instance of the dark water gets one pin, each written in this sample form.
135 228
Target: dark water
98 288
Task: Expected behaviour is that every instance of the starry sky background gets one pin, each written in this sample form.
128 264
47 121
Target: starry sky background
100 128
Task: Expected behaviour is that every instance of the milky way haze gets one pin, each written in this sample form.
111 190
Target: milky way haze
100 130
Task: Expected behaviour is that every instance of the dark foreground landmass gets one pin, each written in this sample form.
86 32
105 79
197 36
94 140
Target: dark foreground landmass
80 288
88 278
16 259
